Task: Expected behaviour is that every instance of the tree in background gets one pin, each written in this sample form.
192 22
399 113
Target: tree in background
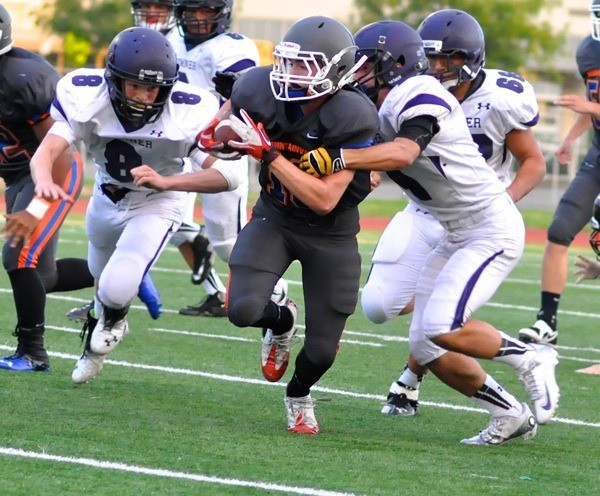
86 27
513 32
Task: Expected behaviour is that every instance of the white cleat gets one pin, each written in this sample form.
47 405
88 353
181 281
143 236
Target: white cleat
540 333
502 429
301 415
539 381
401 401
275 350
87 367
105 338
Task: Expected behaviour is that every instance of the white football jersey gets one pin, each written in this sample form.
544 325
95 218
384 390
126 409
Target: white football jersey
83 111
450 178
504 102
225 52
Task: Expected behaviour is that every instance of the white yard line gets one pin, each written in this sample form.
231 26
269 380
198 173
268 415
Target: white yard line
322 389
158 472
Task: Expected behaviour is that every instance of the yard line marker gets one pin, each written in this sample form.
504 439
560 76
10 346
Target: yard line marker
262 382
203 335
159 472
383 337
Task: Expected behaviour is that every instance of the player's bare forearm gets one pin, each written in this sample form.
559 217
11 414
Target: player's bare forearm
529 175
397 154
42 163
319 194
205 181
532 165
578 104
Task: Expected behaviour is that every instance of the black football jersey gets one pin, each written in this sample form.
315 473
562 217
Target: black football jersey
27 86
347 119
588 62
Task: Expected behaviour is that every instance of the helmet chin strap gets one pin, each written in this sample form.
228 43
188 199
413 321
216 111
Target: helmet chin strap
450 84
349 76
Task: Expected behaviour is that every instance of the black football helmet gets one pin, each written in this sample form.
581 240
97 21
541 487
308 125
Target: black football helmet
595 224
140 55
449 32
159 22
595 19
395 51
6 41
196 31
327 49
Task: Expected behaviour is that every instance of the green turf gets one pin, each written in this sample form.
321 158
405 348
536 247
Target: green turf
200 406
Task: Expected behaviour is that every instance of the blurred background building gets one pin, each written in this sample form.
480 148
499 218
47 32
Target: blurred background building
266 21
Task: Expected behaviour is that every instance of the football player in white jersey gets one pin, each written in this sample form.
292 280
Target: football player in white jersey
204 46
189 238
431 154
134 113
500 109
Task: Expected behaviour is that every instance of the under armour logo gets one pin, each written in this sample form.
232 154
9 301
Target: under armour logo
483 105
157 133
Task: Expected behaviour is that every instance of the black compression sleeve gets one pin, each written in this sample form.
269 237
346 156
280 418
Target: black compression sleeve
419 129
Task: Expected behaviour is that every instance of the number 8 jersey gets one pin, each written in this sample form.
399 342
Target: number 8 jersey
83 111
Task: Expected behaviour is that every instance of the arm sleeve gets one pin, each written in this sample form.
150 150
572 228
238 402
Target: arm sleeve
419 129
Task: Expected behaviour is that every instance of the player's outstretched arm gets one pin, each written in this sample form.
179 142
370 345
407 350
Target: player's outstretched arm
41 165
394 155
209 180
578 104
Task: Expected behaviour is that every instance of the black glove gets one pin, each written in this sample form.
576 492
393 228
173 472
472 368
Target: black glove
224 83
322 161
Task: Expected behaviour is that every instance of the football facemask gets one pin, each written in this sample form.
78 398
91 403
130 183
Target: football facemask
318 80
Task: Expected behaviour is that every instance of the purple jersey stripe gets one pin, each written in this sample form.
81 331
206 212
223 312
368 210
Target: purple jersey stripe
533 121
459 315
56 104
426 99
240 65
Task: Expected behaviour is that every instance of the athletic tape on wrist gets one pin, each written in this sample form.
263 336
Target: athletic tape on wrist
38 207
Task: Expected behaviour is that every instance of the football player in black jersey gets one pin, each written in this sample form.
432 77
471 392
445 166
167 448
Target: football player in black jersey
27 84
573 210
300 103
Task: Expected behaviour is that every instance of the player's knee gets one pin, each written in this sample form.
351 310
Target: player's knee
223 249
561 231
244 311
321 352
381 304
418 347
373 305
120 281
10 258
423 350
435 324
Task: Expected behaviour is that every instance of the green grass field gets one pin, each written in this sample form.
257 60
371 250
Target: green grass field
181 407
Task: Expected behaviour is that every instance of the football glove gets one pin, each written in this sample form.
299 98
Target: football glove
207 143
322 161
224 83
253 138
